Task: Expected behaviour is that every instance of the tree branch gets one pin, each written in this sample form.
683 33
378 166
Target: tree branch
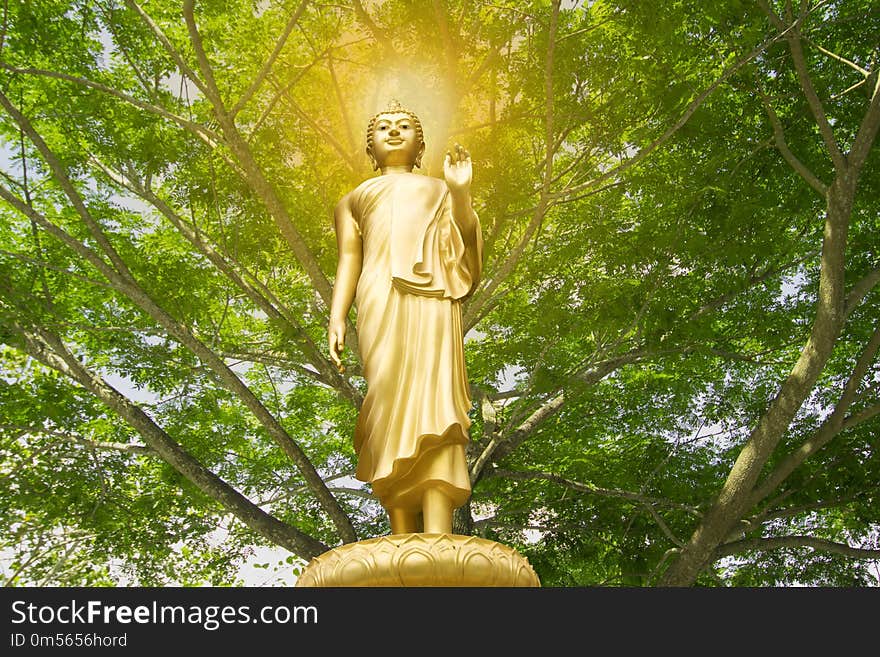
221 261
692 107
489 124
513 259
378 35
861 288
867 133
785 151
667 532
60 270
449 48
270 106
143 450
830 428
343 106
768 514
63 180
325 134
253 173
503 443
49 350
754 279
185 68
127 285
732 501
151 90
863 415
842 60
274 360
813 101
794 542
249 169
581 487
267 66
206 135
210 89
4 27
492 451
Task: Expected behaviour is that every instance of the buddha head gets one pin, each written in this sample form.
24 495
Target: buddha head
395 139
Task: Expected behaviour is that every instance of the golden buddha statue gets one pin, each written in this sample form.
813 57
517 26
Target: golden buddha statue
409 251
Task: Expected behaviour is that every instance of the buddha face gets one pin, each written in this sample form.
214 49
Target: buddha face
395 141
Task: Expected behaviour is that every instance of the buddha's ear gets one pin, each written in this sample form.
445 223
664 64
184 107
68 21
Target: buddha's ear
372 158
418 162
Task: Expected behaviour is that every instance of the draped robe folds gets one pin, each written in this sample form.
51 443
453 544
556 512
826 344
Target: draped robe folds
417 267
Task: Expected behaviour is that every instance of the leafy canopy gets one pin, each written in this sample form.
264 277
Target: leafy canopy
672 353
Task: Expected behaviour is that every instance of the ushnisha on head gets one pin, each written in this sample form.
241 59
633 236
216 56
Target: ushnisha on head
395 139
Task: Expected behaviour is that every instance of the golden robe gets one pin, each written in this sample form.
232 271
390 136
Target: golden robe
413 426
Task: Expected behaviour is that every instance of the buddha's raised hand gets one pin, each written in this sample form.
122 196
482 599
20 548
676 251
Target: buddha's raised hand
457 169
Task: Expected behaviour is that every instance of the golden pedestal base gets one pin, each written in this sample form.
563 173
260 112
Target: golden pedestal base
420 560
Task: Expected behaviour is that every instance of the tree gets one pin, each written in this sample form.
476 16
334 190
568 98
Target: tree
672 352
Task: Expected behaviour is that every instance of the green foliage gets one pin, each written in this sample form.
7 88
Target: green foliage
660 277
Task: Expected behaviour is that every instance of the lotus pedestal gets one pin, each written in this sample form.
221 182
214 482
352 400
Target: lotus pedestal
448 560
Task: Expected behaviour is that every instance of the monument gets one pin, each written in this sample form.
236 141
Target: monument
409 252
